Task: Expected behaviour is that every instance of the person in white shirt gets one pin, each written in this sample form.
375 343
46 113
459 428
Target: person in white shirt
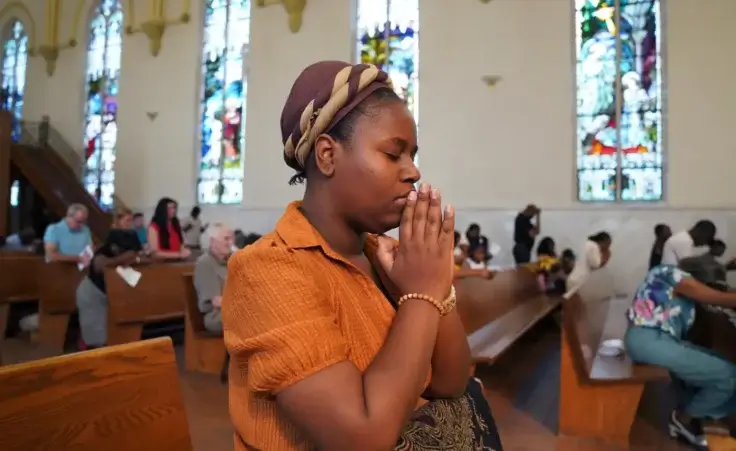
193 229
595 256
683 244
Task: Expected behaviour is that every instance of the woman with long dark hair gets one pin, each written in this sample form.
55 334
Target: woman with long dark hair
165 239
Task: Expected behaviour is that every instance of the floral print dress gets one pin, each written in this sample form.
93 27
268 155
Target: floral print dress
657 306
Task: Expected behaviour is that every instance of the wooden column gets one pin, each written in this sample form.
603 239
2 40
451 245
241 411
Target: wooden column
6 127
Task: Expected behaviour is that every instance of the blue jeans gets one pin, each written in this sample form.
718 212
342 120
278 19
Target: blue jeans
709 381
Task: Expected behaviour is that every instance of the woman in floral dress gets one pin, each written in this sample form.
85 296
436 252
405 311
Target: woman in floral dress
662 312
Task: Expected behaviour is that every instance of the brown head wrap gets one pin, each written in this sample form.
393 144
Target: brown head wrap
322 95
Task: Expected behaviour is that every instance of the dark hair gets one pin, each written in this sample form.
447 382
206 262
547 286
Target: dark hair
161 219
717 244
568 254
546 247
659 229
474 248
600 237
195 212
343 131
457 237
472 226
3 240
705 227
137 215
251 238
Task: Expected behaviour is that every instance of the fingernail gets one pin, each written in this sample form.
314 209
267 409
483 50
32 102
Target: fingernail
412 195
424 188
449 210
435 194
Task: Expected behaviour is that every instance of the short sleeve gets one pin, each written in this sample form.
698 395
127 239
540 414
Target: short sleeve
88 236
676 275
279 323
50 235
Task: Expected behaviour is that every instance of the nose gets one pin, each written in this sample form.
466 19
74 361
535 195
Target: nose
411 173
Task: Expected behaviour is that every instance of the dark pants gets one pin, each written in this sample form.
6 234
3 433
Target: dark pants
522 254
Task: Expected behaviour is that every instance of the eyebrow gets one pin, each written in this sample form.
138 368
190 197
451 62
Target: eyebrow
404 145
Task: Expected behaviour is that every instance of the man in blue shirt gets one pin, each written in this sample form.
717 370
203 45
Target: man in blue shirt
67 239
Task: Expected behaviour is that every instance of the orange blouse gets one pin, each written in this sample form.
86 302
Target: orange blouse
292 307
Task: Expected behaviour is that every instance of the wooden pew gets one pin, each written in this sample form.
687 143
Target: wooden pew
497 312
204 351
114 399
599 395
57 289
159 296
18 282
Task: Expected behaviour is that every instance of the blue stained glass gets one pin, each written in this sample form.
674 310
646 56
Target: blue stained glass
15 59
388 37
619 100
224 93
104 55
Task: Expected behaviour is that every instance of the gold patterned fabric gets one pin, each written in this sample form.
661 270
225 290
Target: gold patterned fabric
463 424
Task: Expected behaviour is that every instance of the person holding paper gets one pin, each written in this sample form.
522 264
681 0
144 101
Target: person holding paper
121 248
69 239
210 273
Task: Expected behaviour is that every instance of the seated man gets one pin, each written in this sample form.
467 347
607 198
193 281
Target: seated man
67 239
210 273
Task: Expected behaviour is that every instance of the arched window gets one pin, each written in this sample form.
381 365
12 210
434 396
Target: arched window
224 92
619 100
15 58
388 37
101 109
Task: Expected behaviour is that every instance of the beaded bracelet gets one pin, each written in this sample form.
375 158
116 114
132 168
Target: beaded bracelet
444 307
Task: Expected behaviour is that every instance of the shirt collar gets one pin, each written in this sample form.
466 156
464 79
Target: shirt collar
298 233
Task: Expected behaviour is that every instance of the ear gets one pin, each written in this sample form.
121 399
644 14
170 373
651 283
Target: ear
325 152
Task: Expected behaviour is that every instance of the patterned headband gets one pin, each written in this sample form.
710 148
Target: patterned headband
349 87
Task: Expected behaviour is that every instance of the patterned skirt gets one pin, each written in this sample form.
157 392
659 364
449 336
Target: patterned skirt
462 424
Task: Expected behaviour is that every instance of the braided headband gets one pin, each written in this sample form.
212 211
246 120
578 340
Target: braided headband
317 116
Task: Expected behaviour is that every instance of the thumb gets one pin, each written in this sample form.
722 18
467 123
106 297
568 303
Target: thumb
386 253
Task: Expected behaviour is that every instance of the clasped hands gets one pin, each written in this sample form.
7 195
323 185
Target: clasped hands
422 262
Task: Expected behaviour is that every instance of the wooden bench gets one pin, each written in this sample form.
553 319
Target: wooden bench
118 398
57 291
497 312
159 296
204 351
599 395
18 282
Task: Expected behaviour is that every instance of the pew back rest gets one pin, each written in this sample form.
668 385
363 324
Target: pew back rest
158 295
119 398
194 316
481 301
586 324
19 275
58 286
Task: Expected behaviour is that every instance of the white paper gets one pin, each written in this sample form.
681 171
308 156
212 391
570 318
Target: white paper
86 252
129 275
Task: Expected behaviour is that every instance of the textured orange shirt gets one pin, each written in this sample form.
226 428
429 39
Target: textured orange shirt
291 307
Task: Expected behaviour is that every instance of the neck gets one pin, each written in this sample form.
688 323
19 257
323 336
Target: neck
321 213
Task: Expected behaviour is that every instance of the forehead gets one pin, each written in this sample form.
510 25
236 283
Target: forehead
390 119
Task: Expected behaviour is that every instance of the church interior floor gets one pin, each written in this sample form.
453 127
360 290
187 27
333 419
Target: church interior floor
523 388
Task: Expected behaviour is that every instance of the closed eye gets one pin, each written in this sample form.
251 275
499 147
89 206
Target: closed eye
393 157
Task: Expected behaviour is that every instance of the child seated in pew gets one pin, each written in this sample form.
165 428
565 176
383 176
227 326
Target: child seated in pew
551 275
475 265
121 248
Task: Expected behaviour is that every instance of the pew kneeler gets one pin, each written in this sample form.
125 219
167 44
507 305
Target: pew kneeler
599 396
204 351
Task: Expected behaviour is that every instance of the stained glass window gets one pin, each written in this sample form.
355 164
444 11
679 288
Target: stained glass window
388 37
619 100
101 109
15 57
224 91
